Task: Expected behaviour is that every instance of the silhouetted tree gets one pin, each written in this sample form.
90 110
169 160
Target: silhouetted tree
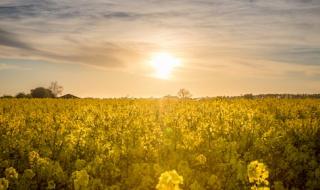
6 96
248 96
55 88
184 93
23 95
41 92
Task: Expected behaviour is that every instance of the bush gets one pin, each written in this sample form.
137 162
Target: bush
41 92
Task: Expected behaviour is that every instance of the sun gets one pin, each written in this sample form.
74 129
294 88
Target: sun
163 64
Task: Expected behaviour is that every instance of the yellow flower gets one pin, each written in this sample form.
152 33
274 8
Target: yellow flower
11 173
4 184
169 180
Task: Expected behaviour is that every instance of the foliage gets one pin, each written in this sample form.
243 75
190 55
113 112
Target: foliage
41 92
23 95
80 179
118 144
11 173
258 175
4 184
169 180
6 96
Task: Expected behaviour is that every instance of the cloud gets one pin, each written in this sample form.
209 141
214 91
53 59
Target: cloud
11 40
98 55
296 55
118 34
4 66
29 8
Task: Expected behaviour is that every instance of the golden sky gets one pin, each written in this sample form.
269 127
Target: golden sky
103 48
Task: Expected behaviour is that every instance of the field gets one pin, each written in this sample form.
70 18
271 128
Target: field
164 144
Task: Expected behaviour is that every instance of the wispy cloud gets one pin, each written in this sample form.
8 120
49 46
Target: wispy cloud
115 34
11 40
4 66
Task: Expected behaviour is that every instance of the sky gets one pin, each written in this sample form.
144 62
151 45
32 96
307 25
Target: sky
103 48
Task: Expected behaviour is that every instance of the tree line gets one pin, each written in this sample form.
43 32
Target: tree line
279 96
53 91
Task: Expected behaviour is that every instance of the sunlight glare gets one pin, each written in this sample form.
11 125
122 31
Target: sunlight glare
163 64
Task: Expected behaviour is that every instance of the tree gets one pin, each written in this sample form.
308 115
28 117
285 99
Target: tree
184 93
6 96
41 92
55 88
23 95
248 96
